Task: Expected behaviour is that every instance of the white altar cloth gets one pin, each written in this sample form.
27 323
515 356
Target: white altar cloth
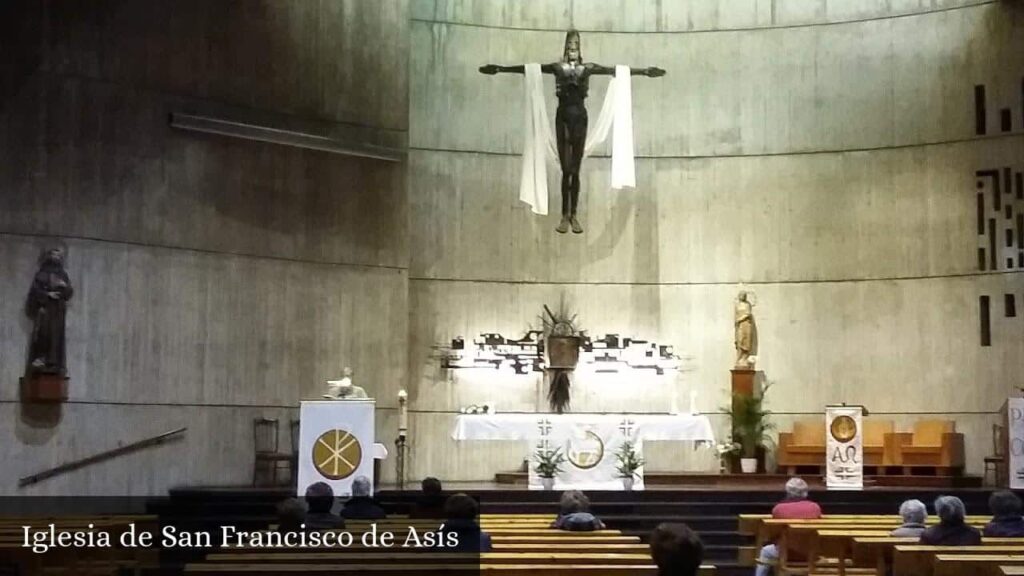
530 426
589 441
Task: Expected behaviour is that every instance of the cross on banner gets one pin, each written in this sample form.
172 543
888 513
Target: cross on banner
626 427
544 425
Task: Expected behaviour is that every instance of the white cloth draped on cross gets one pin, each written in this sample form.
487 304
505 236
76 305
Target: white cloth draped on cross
616 117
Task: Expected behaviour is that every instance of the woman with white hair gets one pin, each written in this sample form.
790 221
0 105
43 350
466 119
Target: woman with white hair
914 516
951 530
796 506
362 506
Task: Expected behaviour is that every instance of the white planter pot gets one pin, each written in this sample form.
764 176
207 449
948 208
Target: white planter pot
627 484
548 483
748 465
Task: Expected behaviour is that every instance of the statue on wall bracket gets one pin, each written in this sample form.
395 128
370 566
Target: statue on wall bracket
46 373
572 82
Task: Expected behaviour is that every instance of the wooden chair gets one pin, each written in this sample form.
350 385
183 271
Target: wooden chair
933 444
267 454
875 431
804 446
997 461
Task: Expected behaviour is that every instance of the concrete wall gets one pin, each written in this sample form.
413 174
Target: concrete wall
217 280
820 154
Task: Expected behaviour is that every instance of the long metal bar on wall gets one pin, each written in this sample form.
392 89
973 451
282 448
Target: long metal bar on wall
249 130
83 462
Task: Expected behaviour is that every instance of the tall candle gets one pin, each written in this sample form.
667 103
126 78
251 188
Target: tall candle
403 412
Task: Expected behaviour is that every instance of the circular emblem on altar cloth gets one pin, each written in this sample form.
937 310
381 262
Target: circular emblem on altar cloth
585 450
843 429
336 454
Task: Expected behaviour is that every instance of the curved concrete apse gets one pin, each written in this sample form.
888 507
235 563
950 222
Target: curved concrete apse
822 156
853 163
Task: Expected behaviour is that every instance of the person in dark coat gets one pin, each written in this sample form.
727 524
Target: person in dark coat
574 514
319 502
430 503
951 530
362 506
676 550
461 512
291 515
1006 515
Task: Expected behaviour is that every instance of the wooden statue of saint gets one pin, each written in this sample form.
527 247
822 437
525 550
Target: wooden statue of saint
572 82
746 332
47 307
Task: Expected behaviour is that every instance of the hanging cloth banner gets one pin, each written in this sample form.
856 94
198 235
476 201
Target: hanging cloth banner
616 118
844 447
1013 411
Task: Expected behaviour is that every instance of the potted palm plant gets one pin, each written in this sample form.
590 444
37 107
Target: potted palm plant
750 426
629 462
548 464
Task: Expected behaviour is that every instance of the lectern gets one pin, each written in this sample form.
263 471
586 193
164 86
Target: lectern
336 440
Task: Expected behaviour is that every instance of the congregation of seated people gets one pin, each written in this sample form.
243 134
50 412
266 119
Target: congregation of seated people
952 528
675 549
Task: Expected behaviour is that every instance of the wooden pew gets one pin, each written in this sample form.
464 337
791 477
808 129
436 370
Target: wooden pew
549 540
427 557
917 560
73 560
241 569
577 547
980 565
750 524
878 550
808 538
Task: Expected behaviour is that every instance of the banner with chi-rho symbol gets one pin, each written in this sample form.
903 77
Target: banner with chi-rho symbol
844 447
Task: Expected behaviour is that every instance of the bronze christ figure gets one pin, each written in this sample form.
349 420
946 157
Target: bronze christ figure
572 81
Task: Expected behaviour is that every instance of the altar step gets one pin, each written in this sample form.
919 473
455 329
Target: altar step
768 481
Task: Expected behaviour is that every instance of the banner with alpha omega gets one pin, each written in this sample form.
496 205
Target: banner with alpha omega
590 451
844 447
335 443
1014 447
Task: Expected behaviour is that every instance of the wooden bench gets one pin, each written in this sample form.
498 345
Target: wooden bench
577 547
917 560
434 557
74 560
241 569
981 565
818 543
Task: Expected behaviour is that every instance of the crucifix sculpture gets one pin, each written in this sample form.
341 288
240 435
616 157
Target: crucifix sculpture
572 81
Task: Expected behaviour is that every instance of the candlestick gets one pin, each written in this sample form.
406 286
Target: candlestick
403 412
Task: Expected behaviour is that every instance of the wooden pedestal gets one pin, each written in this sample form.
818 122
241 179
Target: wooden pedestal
743 382
44 388
743 385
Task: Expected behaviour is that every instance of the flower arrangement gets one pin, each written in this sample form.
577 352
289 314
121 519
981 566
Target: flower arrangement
548 463
628 460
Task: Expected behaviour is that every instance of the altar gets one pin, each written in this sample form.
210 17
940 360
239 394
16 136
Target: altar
589 441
